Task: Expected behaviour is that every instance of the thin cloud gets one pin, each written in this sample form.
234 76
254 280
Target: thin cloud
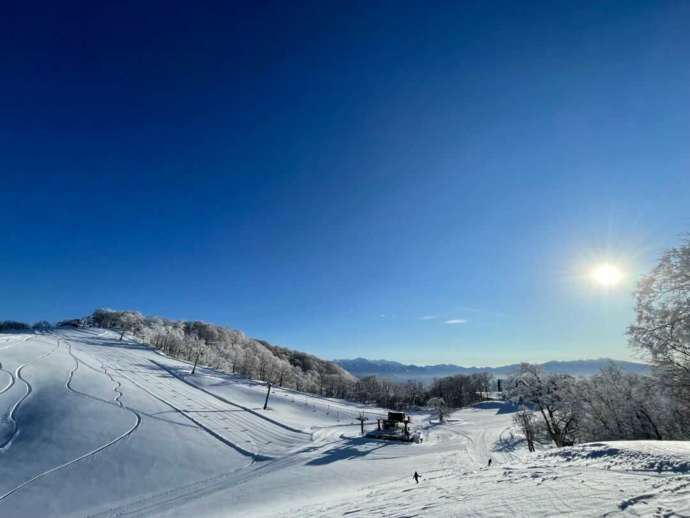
428 317
456 321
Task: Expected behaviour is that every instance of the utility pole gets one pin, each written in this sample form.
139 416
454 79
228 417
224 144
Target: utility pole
200 344
267 395
361 420
196 360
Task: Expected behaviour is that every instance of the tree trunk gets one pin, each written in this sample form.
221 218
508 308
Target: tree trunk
552 432
652 423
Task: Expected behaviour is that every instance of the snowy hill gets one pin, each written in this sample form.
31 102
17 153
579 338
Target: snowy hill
362 367
224 348
94 426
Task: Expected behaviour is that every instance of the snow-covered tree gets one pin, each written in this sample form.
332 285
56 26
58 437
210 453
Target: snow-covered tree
617 405
13 325
553 396
662 325
42 325
228 349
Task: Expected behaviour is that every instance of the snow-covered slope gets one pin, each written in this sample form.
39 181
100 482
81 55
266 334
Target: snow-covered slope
91 426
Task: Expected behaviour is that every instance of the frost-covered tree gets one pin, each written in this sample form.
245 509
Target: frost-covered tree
662 325
13 325
617 405
553 396
121 321
229 350
42 325
461 390
131 322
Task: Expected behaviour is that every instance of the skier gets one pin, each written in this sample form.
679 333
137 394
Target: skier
416 477
489 464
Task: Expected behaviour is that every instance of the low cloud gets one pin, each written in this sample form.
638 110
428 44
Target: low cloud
456 321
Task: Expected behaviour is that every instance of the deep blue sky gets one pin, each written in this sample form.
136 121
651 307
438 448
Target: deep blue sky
345 177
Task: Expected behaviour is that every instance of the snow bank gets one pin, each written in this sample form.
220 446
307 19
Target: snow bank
659 456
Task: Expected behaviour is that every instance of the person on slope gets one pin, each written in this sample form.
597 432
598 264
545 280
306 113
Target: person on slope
489 464
416 477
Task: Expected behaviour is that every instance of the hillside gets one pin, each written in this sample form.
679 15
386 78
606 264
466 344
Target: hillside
395 371
226 349
97 426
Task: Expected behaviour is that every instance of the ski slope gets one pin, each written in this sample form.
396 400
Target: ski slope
94 426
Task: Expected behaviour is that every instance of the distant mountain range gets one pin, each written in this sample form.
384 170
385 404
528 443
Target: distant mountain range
361 367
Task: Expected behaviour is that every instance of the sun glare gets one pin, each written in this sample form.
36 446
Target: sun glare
606 275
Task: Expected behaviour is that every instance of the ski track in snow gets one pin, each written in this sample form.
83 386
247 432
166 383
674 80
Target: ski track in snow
95 450
10 383
178 495
28 389
244 430
225 400
175 497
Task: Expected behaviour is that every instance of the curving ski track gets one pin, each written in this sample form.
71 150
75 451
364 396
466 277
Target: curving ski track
69 387
17 404
10 383
69 463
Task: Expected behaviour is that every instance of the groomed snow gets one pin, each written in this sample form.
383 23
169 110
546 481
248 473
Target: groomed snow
91 426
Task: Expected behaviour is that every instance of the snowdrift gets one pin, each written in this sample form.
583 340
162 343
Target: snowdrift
657 456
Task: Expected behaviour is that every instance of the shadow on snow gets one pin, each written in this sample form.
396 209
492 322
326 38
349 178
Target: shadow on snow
352 449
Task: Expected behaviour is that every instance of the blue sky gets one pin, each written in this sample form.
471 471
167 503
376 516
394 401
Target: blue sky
346 178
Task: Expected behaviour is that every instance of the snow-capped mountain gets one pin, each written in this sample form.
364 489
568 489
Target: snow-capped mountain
361 367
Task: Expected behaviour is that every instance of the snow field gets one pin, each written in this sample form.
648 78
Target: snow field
92 426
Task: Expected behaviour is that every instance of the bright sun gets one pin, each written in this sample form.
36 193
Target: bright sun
606 274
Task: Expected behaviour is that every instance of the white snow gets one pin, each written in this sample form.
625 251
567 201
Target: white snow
91 426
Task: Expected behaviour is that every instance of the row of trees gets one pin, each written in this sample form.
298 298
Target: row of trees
13 325
232 351
613 404
229 350
444 393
